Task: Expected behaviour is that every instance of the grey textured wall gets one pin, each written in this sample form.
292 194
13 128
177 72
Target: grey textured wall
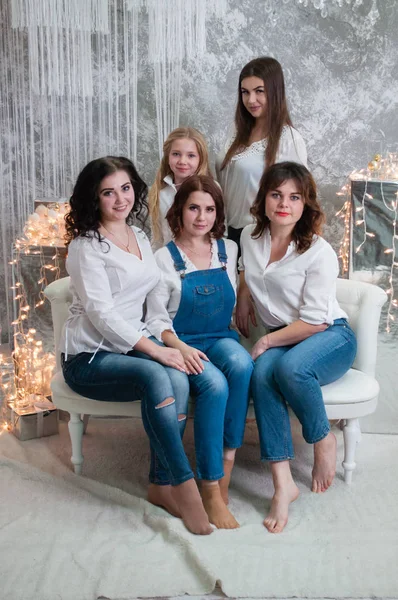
340 85
341 77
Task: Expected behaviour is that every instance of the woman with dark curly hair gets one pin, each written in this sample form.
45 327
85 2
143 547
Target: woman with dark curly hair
105 345
191 310
290 272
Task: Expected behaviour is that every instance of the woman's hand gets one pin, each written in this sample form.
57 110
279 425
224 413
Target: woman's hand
244 312
260 347
170 357
193 360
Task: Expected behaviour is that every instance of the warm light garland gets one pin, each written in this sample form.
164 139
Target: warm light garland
33 367
382 171
7 390
344 213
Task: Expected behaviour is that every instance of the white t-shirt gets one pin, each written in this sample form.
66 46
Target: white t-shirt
109 288
166 199
299 286
163 301
240 178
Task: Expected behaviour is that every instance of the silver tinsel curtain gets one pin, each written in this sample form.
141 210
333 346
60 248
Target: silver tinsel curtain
68 91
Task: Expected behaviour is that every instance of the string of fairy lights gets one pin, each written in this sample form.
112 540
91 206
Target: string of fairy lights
383 171
26 375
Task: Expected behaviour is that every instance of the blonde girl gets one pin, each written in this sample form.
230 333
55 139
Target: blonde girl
184 154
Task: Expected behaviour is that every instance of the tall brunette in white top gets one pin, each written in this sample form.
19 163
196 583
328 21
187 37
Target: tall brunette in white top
184 154
263 135
290 272
105 347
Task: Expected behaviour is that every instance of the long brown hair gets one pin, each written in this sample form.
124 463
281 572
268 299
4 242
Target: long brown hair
311 220
189 133
270 71
197 183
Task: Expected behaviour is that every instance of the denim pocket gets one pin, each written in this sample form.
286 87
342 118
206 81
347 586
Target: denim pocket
342 322
208 300
344 330
75 364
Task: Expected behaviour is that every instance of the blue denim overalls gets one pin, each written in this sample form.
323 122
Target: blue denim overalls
207 302
203 320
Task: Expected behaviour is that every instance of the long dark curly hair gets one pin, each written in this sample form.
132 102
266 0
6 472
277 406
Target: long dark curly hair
311 220
84 216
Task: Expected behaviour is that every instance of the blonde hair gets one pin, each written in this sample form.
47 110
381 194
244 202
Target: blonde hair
189 133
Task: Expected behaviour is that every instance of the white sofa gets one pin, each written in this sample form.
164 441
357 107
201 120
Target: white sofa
354 395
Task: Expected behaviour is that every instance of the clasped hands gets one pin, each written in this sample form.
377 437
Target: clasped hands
185 359
190 360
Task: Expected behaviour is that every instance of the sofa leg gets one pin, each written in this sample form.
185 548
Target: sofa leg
76 437
352 435
85 422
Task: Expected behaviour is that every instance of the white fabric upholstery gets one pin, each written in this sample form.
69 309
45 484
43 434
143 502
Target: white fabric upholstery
354 395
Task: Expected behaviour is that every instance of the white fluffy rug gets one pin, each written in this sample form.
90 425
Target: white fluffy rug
66 537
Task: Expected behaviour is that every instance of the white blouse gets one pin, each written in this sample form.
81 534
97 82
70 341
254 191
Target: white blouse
109 288
166 199
240 178
299 286
163 301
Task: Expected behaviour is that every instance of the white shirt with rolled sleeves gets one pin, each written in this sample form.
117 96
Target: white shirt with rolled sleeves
299 286
109 288
163 301
240 178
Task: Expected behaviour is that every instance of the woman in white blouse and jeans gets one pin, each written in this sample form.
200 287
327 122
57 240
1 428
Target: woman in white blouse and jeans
263 135
290 272
105 347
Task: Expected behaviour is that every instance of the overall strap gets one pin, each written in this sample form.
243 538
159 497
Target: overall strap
222 253
179 263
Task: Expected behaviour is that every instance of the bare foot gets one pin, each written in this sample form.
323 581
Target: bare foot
324 463
228 465
160 495
278 515
216 508
191 507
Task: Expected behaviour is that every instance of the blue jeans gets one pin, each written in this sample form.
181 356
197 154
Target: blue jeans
293 375
221 399
114 377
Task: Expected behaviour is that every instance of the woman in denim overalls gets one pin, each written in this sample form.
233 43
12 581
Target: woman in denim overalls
191 310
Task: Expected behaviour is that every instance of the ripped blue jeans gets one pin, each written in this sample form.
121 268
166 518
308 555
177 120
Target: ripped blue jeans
114 377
